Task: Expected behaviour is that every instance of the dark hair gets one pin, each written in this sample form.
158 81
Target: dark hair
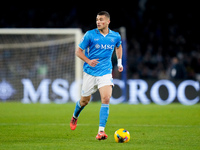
104 13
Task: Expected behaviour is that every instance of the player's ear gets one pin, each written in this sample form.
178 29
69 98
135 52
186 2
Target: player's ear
108 21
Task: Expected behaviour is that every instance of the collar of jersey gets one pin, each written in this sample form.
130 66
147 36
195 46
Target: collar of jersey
97 31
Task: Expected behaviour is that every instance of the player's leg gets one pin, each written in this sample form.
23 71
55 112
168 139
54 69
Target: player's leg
80 105
105 93
78 108
88 87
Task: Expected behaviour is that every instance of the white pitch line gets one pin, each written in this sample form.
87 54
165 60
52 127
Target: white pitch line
142 125
123 125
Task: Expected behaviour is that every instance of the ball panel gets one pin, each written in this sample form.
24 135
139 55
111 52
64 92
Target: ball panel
122 136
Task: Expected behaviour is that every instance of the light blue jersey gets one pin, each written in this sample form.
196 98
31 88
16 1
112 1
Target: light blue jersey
98 46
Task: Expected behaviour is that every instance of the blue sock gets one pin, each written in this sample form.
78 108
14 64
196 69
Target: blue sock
103 115
77 110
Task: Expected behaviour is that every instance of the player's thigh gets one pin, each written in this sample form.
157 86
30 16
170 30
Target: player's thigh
105 93
105 84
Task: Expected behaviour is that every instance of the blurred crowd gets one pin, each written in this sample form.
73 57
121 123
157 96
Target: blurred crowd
166 44
162 36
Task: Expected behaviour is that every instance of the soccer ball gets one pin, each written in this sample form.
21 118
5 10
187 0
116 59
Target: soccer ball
122 136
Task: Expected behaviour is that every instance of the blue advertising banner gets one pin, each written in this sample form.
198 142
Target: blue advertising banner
161 92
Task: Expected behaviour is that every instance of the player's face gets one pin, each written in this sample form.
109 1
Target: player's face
102 22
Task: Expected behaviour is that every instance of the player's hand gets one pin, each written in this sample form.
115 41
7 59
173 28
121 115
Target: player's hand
120 68
93 62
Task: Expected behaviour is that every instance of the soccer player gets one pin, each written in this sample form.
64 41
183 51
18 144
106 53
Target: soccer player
99 45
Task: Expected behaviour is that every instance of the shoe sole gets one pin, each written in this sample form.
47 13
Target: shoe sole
102 138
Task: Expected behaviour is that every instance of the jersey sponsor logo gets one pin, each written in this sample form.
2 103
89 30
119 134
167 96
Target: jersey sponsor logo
107 46
104 46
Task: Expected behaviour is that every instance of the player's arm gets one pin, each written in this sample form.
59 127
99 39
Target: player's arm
119 58
81 55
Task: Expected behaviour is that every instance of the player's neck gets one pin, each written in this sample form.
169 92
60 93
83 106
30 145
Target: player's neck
104 31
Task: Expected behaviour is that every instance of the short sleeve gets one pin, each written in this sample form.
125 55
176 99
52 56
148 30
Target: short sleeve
119 42
85 41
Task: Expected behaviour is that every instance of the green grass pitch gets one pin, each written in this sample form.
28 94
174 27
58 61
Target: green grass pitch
46 126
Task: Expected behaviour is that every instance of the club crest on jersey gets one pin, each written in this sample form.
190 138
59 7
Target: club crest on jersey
112 40
104 46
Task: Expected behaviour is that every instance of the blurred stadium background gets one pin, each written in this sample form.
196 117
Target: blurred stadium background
162 45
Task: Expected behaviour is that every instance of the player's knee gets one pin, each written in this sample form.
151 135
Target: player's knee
105 99
84 101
